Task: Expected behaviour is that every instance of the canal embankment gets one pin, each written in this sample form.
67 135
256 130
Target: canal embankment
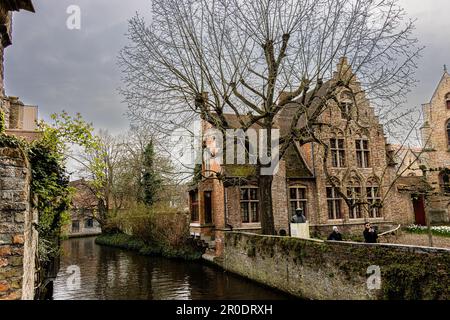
128 242
94 272
315 269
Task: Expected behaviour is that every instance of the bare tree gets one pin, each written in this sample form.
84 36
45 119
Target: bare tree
254 58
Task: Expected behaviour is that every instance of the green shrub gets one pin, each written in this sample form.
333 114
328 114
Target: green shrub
155 231
2 122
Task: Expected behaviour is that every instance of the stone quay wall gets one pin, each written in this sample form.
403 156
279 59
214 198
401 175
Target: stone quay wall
18 238
314 269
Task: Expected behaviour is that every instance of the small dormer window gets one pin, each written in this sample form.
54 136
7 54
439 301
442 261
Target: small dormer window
447 101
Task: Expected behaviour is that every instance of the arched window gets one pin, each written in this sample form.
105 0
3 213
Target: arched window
448 132
447 100
444 180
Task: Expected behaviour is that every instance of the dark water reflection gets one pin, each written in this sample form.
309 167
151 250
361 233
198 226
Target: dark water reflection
112 274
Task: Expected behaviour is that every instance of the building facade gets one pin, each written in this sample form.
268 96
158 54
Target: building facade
18 237
436 152
20 119
82 212
357 184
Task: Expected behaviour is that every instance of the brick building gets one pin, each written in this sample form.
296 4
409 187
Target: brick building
20 119
436 152
360 166
82 212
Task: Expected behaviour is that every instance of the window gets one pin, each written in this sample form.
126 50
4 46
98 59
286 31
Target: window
297 199
334 204
374 201
447 100
194 207
362 153
337 153
249 205
354 197
89 223
448 133
444 179
75 226
208 206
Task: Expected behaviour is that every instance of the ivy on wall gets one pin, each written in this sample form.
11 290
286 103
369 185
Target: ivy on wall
50 189
2 122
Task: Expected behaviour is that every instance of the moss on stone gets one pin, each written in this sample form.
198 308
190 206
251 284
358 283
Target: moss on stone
407 273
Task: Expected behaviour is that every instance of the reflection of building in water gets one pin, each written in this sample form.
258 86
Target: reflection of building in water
170 285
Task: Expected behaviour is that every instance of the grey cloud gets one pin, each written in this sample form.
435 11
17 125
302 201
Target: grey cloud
75 70
57 69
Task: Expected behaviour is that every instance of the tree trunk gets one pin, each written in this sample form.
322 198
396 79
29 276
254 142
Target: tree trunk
266 208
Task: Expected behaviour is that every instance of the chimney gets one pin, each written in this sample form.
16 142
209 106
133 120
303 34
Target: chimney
16 113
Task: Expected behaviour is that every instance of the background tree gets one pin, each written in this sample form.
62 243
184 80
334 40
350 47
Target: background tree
50 189
151 182
254 58
123 171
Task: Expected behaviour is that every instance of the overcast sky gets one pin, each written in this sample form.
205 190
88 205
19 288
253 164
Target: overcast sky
76 70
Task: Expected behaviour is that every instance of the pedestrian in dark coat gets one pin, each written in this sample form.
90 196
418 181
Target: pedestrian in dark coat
335 235
370 234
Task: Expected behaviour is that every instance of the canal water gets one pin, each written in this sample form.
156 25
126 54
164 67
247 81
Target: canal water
92 272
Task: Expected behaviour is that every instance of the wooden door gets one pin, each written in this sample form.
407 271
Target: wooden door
419 210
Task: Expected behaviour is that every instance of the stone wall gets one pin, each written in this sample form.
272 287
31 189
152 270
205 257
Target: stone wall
18 238
313 269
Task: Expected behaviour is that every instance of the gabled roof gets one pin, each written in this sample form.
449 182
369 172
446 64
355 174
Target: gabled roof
284 118
313 99
444 77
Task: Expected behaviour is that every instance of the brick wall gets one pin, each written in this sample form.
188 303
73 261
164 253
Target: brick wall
366 126
336 270
18 238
